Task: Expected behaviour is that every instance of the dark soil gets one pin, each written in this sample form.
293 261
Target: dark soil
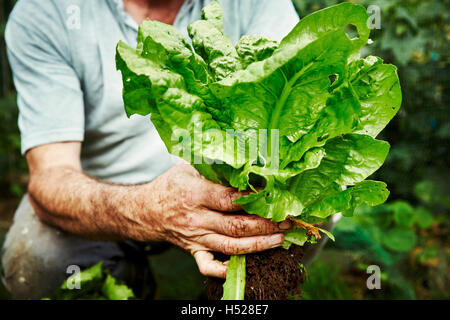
274 274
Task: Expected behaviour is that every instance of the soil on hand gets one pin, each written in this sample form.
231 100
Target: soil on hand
274 274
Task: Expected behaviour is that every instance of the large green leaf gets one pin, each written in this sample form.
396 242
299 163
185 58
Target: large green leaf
378 90
367 192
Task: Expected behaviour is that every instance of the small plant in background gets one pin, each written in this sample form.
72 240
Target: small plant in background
94 283
409 242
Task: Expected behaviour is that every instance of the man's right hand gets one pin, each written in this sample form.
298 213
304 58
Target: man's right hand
194 214
180 206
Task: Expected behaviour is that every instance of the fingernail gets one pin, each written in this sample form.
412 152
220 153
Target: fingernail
285 225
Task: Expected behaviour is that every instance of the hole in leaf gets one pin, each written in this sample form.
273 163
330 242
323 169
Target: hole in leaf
332 78
352 32
256 180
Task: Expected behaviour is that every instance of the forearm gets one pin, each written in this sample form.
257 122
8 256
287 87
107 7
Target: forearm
74 202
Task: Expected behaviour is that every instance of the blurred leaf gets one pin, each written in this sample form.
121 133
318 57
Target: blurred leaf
424 218
400 239
346 224
444 131
379 216
424 190
403 213
17 189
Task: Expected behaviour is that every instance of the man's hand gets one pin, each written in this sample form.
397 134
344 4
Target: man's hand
191 215
180 206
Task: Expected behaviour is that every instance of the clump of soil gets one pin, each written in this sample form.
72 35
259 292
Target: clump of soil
274 274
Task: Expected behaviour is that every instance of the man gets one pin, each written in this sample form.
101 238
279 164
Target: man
98 179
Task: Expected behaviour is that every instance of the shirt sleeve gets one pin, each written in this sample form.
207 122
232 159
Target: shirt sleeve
273 19
49 95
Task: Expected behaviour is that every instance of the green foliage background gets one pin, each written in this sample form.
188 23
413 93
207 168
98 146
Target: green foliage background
408 237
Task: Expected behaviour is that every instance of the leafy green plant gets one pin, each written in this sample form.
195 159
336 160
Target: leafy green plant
418 135
319 103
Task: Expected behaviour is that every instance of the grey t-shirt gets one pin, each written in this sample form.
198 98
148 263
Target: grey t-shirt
62 53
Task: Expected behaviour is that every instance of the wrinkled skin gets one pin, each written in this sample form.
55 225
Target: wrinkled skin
197 215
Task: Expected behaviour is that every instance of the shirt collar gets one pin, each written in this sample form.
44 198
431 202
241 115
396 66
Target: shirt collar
126 18
129 21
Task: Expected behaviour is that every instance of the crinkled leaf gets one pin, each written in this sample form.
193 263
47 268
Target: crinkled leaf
213 13
316 103
253 48
378 90
179 116
212 44
371 193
